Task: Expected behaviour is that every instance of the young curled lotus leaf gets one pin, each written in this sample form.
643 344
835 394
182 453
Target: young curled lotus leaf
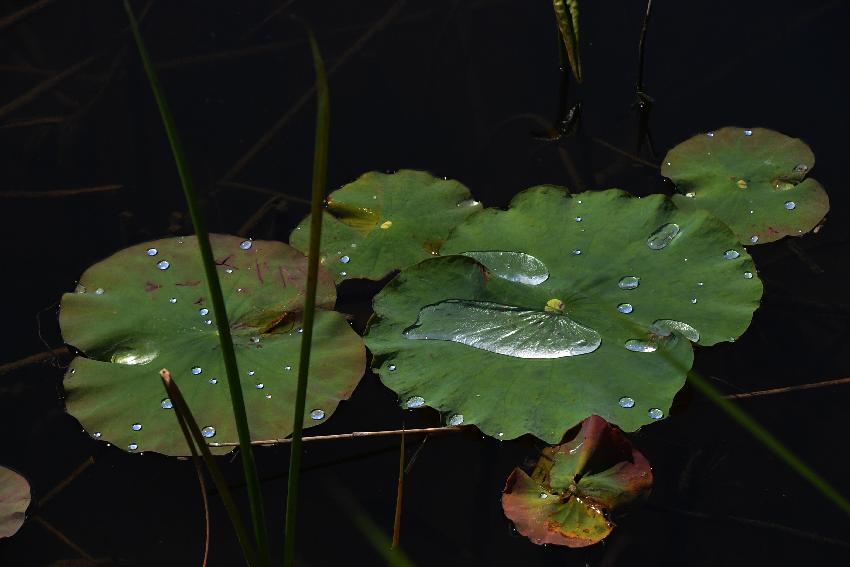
146 308
577 486
753 179
14 501
382 222
626 293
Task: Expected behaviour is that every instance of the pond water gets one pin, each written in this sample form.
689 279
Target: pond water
454 88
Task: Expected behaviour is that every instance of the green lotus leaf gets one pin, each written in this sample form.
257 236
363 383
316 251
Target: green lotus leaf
14 501
754 180
146 307
382 222
629 284
577 486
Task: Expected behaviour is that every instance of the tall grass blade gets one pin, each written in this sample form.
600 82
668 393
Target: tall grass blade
196 442
320 167
219 309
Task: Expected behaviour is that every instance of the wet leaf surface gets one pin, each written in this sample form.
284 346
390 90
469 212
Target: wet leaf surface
383 222
608 332
146 308
753 179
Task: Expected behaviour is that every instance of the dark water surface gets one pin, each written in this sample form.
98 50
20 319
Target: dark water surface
452 87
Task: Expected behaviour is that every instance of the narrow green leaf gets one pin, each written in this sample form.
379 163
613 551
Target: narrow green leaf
320 168
251 478
566 14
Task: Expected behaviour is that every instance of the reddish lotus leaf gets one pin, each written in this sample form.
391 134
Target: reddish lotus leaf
14 501
577 486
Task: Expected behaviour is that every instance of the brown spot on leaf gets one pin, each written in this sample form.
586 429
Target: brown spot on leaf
150 286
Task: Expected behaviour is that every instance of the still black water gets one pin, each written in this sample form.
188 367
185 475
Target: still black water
452 87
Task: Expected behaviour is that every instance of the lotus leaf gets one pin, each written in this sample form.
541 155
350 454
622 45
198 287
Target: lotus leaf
754 180
146 307
383 222
570 496
14 501
629 283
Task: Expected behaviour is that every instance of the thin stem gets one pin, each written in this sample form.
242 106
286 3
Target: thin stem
641 44
195 440
60 352
320 169
399 492
219 309
59 192
7 21
352 435
769 441
43 87
66 482
787 389
202 486
62 537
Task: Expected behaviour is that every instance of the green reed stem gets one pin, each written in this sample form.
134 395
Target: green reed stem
769 441
196 441
320 168
219 309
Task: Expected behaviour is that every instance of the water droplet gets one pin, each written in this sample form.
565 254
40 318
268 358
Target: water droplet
501 434
386 224
790 205
578 219
80 289
748 275
287 368
415 402
690 194
204 311
208 322
246 245
801 168
628 282
260 386
544 495
455 420
151 251
343 274
662 236
317 414
579 201
640 345
754 238
666 327
268 396
132 447
700 284
710 134
163 264
73 371
752 212
626 402
694 300
299 330
208 431
181 239
655 413
97 434
213 380
166 404
576 252
391 367
251 373
136 427
344 259
255 339
625 308
229 270
746 133
98 291
731 254
172 300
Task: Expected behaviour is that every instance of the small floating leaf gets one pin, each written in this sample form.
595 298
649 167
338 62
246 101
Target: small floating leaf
137 327
14 501
577 486
754 180
383 222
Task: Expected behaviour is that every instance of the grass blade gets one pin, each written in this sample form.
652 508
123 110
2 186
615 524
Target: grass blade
773 444
196 442
251 478
320 167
